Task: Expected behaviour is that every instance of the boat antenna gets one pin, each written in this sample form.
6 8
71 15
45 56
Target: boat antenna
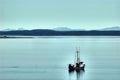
75 56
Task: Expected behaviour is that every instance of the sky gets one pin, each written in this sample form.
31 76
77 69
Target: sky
48 14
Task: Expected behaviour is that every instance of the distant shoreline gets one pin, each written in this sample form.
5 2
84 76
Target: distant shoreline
4 37
45 37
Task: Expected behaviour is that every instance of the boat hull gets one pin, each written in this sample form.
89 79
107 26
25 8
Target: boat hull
76 68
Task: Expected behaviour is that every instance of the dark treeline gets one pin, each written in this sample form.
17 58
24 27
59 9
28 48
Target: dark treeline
46 32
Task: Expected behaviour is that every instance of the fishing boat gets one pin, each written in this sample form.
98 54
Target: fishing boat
78 65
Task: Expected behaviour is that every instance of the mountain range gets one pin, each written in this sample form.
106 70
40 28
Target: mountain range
63 31
116 28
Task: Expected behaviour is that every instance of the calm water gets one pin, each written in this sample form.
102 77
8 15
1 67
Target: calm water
47 58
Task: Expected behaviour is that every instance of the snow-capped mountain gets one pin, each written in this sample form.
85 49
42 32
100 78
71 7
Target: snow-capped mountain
62 29
116 28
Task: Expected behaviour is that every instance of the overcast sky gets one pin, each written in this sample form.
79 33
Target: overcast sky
43 14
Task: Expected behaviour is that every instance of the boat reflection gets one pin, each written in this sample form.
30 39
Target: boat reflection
77 75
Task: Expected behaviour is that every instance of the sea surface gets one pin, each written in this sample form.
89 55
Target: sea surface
47 58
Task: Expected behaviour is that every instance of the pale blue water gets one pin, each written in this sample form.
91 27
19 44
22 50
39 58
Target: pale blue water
47 58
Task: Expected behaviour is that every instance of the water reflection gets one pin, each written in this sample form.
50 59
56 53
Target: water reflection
76 75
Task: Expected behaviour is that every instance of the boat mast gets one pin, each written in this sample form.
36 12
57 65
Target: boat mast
78 56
